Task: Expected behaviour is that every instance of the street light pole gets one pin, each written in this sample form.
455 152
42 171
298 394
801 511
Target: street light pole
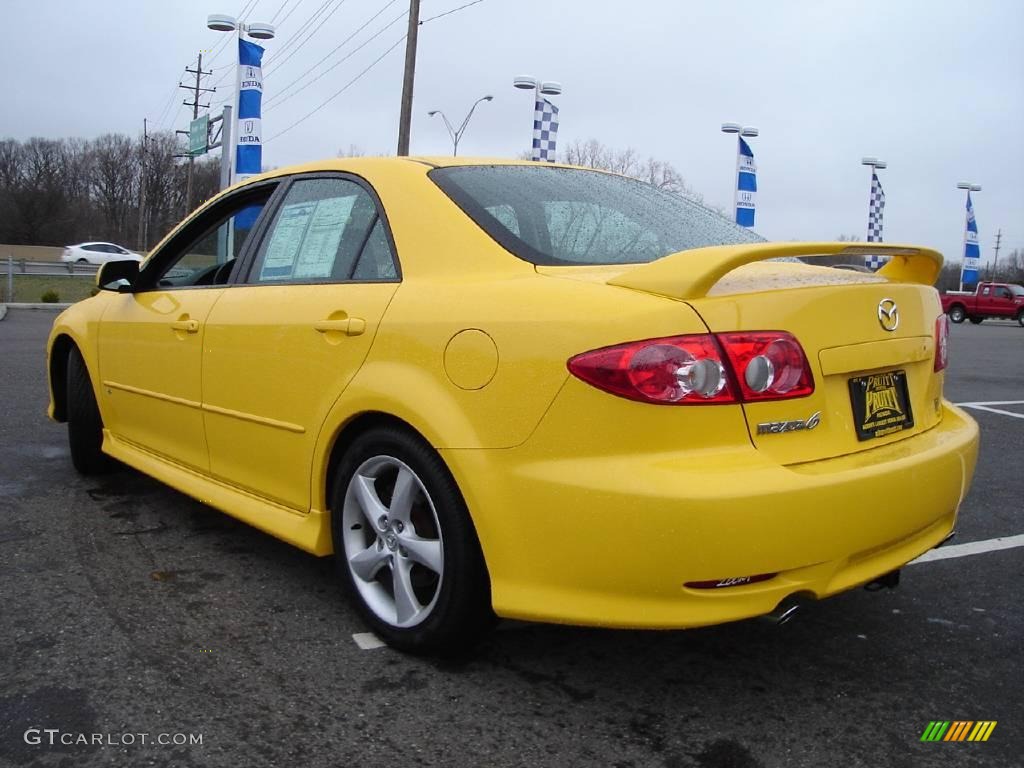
970 187
260 31
540 87
457 134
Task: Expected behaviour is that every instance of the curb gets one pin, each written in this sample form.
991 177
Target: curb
37 305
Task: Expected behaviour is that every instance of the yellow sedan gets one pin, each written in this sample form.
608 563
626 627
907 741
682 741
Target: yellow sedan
525 390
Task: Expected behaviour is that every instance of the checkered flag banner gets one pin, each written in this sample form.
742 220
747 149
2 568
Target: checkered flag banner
972 253
545 130
876 207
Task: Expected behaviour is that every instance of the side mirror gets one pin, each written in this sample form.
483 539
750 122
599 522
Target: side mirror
117 276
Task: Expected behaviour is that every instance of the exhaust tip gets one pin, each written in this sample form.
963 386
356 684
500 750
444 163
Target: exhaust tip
786 610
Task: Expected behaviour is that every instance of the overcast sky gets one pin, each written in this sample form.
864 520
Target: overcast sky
936 88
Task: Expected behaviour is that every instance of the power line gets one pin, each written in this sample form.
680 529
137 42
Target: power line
163 112
448 13
298 33
287 15
219 48
278 12
298 48
338 93
283 94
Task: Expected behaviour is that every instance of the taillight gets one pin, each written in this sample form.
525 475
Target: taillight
941 342
670 371
694 370
769 365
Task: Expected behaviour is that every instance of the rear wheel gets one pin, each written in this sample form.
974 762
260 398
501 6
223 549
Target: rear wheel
405 546
957 314
976 320
1020 318
82 260
85 426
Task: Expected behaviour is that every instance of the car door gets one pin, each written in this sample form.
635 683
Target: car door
1003 303
281 348
151 340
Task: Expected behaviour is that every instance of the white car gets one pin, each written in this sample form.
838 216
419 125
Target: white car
97 253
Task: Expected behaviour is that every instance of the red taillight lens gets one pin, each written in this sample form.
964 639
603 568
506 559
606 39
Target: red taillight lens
769 365
671 371
941 342
684 370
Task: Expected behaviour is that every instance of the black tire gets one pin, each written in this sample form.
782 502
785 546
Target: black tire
976 320
1020 318
85 426
459 611
82 260
957 314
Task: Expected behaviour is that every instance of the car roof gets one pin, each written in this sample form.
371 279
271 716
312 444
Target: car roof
371 164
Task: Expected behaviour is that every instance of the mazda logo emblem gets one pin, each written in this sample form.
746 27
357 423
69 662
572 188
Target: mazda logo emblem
888 315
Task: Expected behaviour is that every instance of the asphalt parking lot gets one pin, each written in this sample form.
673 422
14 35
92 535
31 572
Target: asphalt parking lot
127 609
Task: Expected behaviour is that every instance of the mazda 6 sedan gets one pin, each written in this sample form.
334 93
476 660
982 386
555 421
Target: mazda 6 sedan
525 390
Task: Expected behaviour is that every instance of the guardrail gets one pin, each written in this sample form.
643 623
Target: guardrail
26 267
12 268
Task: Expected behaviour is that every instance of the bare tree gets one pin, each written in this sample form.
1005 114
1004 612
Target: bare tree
115 179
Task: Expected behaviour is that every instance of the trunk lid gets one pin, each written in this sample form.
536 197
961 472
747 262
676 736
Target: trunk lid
836 317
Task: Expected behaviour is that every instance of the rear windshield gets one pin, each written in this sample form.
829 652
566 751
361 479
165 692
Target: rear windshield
565 216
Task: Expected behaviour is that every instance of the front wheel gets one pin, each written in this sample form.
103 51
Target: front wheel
405 546
85 425
957 314
1020 318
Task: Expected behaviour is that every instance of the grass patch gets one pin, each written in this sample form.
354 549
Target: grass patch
31 288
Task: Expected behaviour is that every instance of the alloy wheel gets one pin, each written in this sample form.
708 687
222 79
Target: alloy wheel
392 541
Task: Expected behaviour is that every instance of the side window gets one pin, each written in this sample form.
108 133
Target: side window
207 259
93 248
376 261
318 234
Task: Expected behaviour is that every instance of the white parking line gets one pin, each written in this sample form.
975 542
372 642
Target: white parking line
367 641
987 406
970 548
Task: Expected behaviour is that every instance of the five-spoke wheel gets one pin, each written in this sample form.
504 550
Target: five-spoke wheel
405 545
392 541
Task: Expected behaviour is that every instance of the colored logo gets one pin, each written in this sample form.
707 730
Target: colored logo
958 730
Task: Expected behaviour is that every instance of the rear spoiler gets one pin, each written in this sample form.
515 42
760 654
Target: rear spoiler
691 274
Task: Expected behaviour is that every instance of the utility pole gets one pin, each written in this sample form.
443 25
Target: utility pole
995 262
196 90
142 188
410 72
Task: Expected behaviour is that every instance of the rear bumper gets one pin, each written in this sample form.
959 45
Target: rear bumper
611 540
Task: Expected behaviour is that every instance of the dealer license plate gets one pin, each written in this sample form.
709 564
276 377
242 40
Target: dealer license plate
881 404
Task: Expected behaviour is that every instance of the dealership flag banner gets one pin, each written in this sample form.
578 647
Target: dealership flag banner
249 155
876 207
972 254
746 185
545 130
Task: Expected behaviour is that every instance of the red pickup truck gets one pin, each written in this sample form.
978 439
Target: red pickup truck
990 300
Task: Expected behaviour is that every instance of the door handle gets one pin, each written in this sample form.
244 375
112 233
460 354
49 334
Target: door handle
188 326
350 326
